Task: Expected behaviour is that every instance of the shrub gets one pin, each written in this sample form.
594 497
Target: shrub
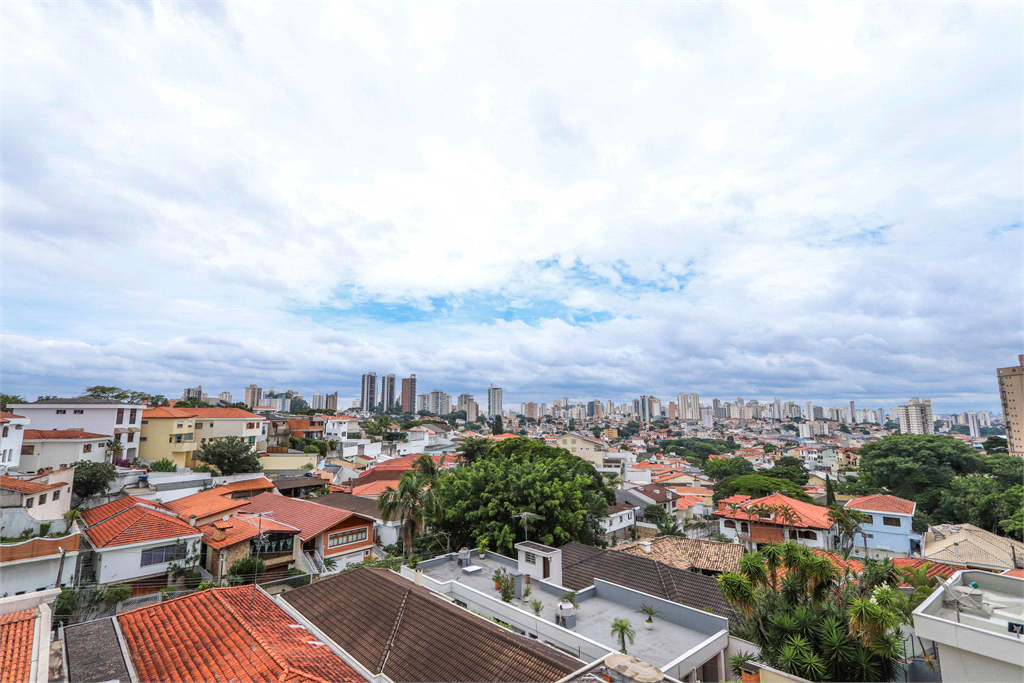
301 578
205 586
192 580
246 570
570 597
44 528
413 561
165 465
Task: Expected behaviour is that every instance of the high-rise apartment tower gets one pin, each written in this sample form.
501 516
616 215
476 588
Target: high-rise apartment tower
1011 393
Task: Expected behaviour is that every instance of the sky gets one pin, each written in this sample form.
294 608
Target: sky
815 201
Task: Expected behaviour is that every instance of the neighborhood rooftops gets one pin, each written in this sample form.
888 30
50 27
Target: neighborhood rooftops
687 553
58 434
131 520
348 501
966 545
805 515
17 644
228 532
209 413
25 486
386 622
881 502
308 517
227 634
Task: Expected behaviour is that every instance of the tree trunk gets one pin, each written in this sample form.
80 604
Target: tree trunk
407 536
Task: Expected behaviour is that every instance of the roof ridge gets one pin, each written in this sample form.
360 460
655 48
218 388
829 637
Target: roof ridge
252 625
394 632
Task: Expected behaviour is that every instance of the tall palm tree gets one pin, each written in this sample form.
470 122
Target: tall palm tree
410 502
623 630
773 558
116 448
613 479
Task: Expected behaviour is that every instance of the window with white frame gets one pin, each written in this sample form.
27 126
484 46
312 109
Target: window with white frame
164 553
345 537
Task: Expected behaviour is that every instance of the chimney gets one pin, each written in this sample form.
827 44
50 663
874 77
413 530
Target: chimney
956 548
646 545
191 520
219 534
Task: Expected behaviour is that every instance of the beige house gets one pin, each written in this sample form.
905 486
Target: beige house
585 447
176 433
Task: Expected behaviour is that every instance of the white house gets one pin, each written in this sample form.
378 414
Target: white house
37 564
619 521
42 498
13 431
113 419
774 519
134 542
336 427
58 448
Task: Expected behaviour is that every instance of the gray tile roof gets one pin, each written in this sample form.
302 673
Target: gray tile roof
347 501
392 626
94 653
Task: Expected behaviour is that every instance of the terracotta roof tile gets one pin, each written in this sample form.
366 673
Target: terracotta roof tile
684 553
935 569
308 517
23 486
808 515
205 503
257 484
374 488
10 416
207 413
883 503
225 533
17 637
226 634
43 434
99 513
137 524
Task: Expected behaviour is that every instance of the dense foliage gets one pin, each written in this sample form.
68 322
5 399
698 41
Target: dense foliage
246 570
519 475
721 468
790 468
93 478
758 486
163 465
126 395
949 480
697 450
811 622
230 456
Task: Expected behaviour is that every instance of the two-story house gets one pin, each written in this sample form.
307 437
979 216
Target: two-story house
41 498
12 430
620 521
649 494
229 539
888 527
43 449
116 420
176 433
326 533
336 427
133 541
774 519
590 449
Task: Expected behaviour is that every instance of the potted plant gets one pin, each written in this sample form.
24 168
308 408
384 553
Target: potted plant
651 613
497 577
413 561
482 547
537 606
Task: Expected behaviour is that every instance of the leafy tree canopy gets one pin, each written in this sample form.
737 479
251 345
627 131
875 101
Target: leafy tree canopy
6 399
720 468
191 402
126 395
519 475
165 465
758 486
93 478
230 456
995 444
697 450
788 468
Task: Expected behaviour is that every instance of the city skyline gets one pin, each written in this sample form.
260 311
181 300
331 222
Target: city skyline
818 203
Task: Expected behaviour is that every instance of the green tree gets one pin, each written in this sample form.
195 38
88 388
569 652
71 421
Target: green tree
310 448
164 465
231 455
498 427
849 522
720 468
770 448
246 570
816 624
758 486
1008 470
790 468
6 399
409 503
191 402
126 395
520 475
1013 503
472 450
830 492
918 467
655 514
623 631
93 478
995 444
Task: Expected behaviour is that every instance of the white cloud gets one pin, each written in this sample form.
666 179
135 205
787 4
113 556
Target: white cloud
820 200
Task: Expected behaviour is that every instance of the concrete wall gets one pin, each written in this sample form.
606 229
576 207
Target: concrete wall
14 522
35 574
693 619
56 452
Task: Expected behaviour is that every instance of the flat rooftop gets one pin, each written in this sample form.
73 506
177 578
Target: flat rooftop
992 605
659 646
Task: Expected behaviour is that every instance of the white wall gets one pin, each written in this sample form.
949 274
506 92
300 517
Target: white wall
35 574
51 509
56 452
124 563
99 419
10 441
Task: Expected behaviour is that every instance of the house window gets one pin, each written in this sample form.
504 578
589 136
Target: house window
131 416
180 425
131 437
190 437
56 494
62 412
729 524
120 416
165 553
5 431
792 534
744 528
531 558
42 499
78 412
346 537
199 425
29 502
145 422
868 519
87 448
211 425
891 521
810 535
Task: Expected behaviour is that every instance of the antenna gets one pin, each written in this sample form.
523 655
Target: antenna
526 517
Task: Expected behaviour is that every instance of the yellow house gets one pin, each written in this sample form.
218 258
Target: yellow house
584 447
176 433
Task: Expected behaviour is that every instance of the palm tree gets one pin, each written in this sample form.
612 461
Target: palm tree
612 479
116 448
332 445
623 630
773 558
849 522
408 503
380 426
669 527
427 467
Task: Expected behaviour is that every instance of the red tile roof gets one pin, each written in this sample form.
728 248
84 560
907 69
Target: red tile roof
227 634
935 569
11 416
40 434
101 512
308 517
23 486
17 637
200 412
205 503
881 502
238 530
257 484
137 523
807 515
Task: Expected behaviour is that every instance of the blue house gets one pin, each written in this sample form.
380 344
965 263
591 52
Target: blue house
889 526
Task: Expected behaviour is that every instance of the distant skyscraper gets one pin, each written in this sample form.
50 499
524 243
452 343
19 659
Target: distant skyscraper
694 408
316 401
672 410
409 394
439 402
422 402
916 417
609 408
253 396
853 413
777 408
494 400
1011 393
193 392
368 395
331 402
388 391
225 396
809 414
973 425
